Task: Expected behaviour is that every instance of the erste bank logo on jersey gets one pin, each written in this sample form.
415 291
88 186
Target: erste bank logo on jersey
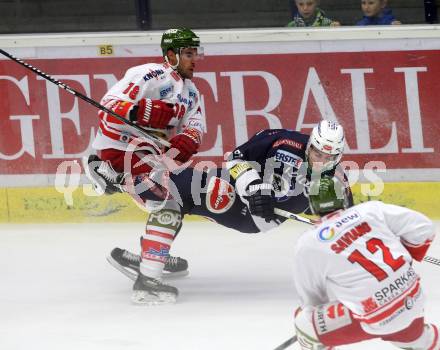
338 225
288 158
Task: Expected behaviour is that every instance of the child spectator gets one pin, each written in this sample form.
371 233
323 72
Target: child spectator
376 13
310 15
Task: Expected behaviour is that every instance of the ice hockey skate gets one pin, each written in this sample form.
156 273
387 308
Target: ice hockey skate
103 177
151 291
128 263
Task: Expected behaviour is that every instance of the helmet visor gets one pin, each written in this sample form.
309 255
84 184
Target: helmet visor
318 158
192 53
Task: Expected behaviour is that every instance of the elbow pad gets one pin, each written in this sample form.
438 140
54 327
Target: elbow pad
417 251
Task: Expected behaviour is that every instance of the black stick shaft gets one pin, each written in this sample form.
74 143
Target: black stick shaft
432 260
287 343
87 99
292 216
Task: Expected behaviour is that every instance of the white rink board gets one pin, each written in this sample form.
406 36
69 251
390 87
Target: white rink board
58 291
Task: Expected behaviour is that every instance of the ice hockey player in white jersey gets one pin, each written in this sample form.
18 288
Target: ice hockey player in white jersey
158 96
162 99
355 277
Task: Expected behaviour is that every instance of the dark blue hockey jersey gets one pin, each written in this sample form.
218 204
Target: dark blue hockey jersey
278 155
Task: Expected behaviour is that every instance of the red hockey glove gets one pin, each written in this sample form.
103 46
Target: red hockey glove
418 252
186 143
152 113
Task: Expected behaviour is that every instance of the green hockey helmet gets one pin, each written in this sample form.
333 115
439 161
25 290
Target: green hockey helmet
326 196
176 39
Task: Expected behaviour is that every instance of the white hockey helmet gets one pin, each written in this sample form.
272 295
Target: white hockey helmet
328 137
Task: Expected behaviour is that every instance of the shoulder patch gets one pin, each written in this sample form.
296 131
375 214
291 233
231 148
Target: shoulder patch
153 73
288 142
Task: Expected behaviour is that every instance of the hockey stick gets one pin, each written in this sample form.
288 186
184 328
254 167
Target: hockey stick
432 260
287 343
143 131
300 218
289 215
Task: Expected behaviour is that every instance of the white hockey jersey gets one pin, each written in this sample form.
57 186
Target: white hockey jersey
153 81
357 257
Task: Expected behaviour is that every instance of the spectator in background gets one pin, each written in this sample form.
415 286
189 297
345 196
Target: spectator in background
310 15
376 13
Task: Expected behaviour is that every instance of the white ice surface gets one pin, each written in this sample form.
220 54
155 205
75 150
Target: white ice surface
57 292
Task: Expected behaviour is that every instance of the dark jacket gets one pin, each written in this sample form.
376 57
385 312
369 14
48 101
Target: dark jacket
386 17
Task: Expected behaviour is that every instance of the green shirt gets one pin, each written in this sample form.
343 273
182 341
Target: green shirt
318 20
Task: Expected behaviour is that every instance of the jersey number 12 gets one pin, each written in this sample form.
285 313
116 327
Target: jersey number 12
372 246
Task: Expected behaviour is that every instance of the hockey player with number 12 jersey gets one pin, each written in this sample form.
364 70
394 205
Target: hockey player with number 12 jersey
355 277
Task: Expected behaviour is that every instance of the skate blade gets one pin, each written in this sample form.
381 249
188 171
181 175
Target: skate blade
133 275
140 297
96 187
125 270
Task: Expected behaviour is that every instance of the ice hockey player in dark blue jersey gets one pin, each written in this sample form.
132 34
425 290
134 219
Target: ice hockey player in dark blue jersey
271 170
274 168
